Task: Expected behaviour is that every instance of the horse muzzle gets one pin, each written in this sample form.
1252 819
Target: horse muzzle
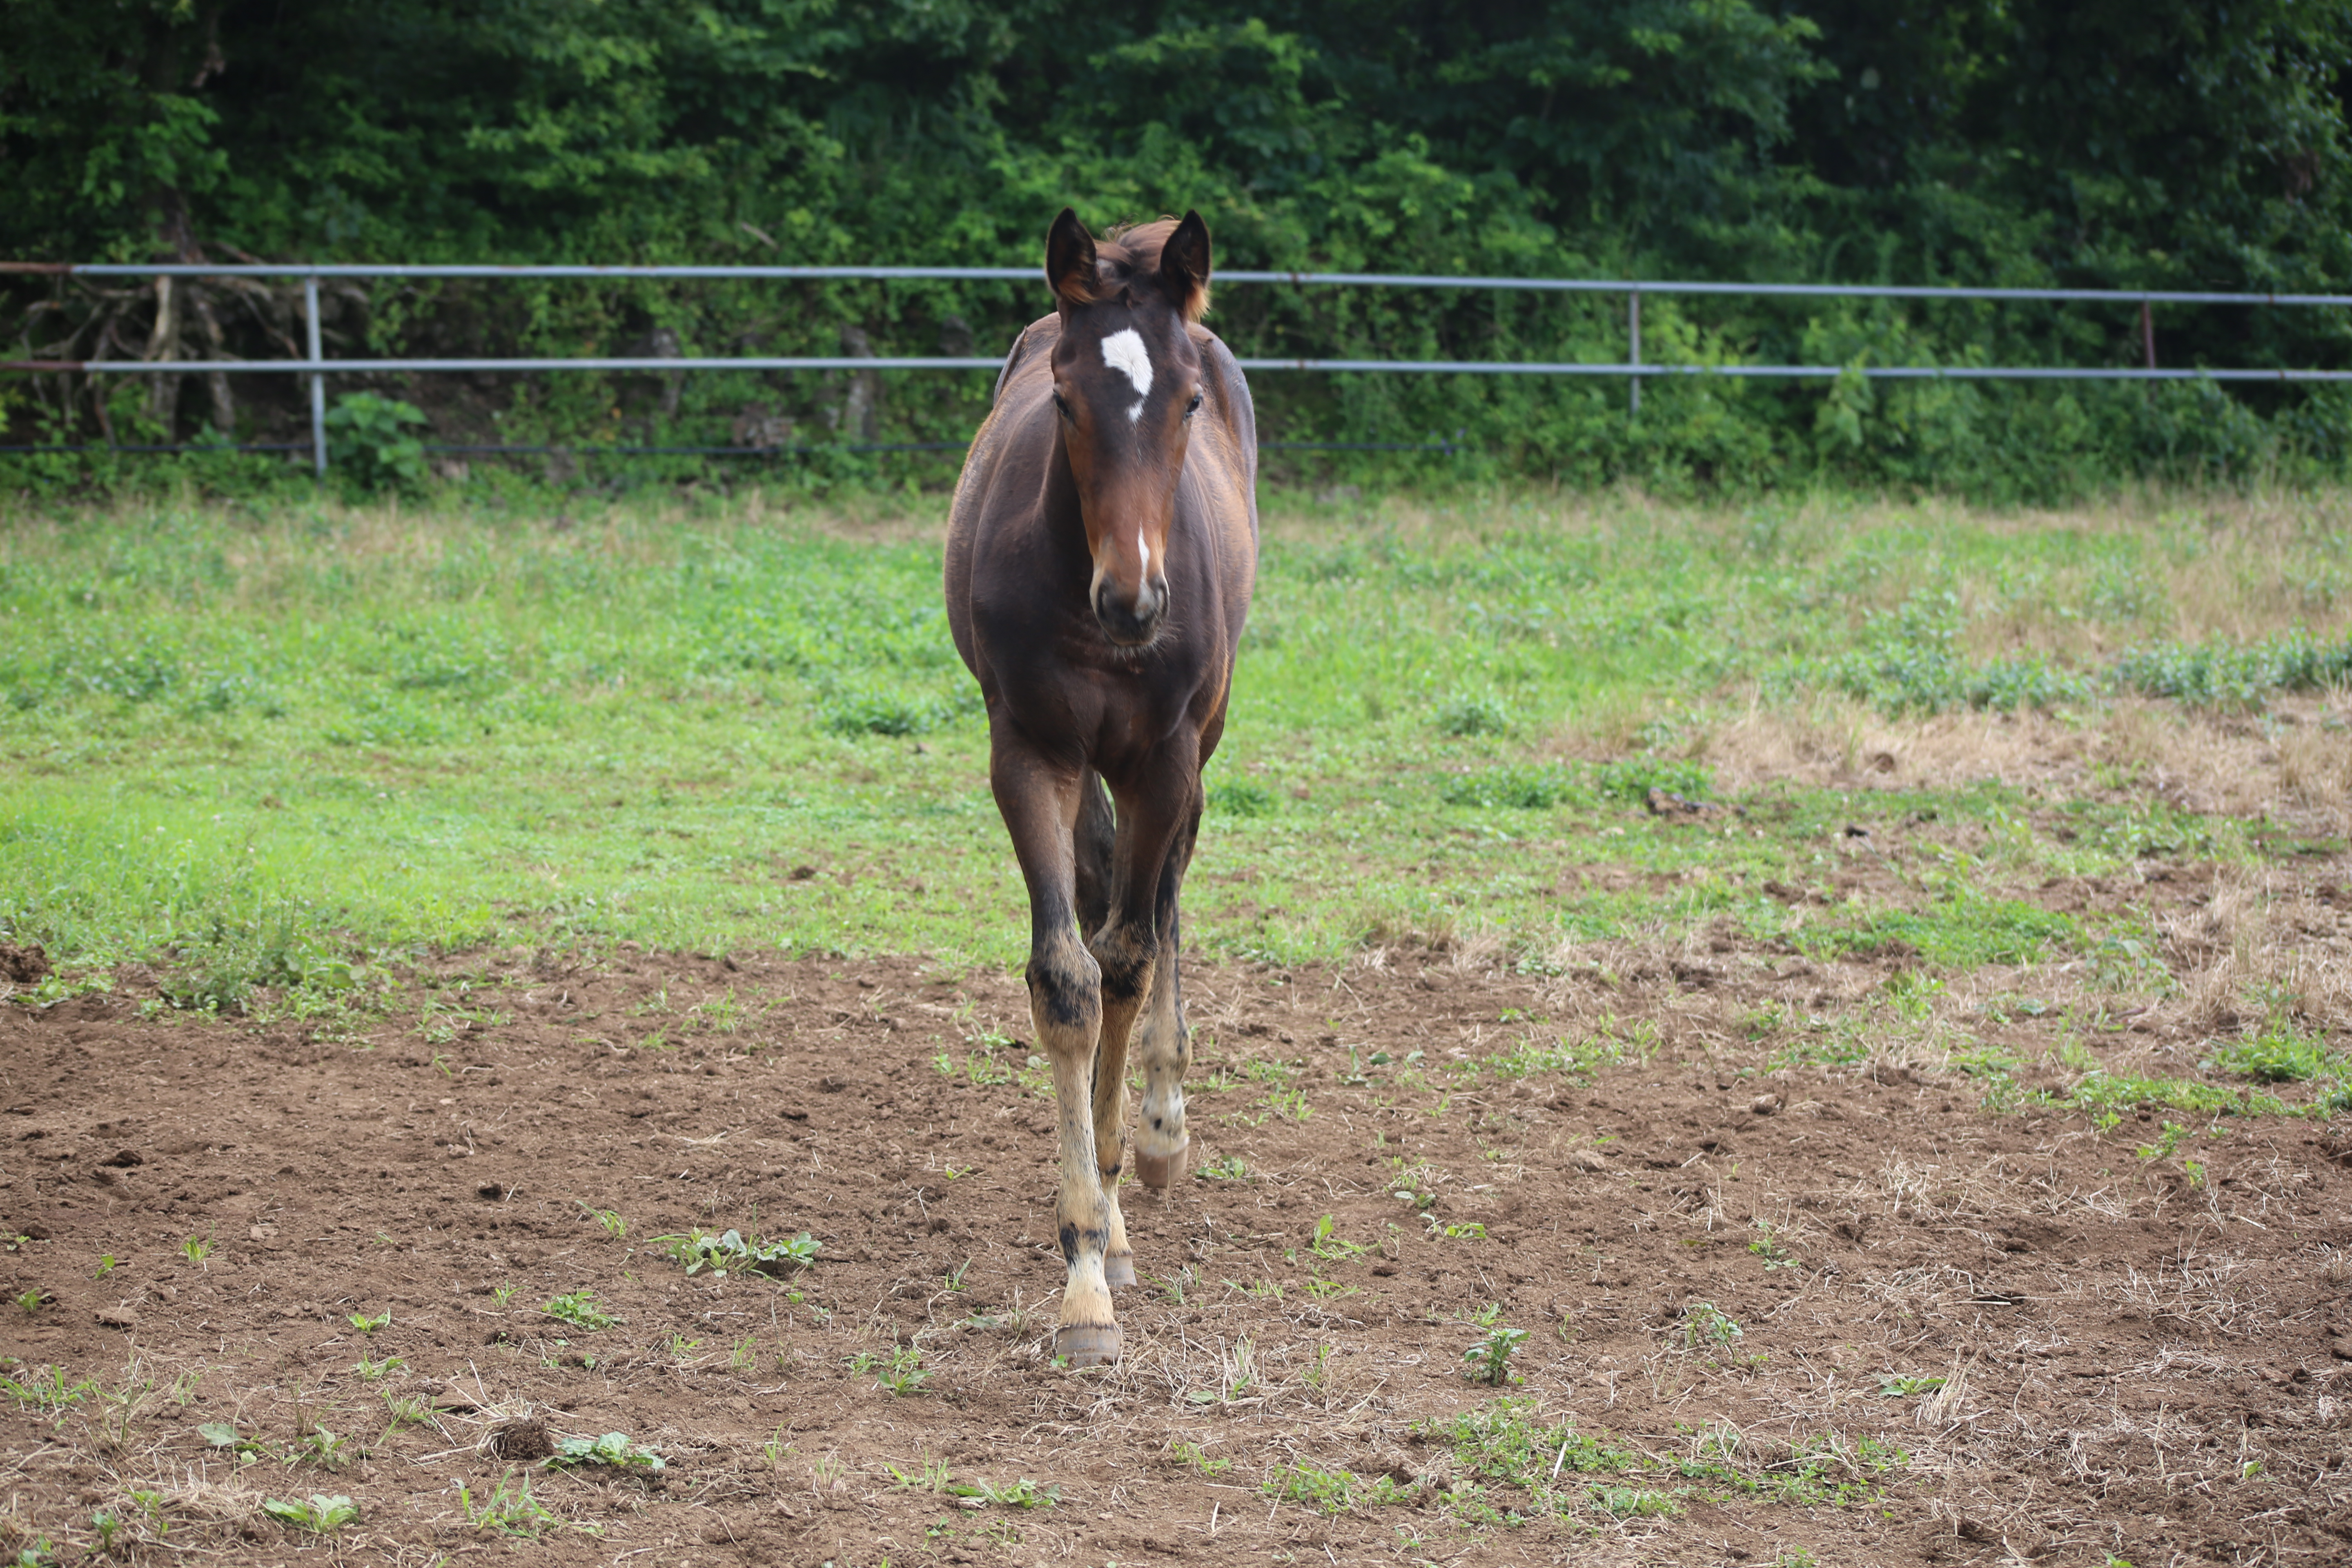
1130 620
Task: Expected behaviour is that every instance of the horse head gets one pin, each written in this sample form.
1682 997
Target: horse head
1127 381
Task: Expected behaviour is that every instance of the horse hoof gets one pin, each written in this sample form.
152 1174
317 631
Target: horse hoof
1160 1172
1085 1344
1118 1273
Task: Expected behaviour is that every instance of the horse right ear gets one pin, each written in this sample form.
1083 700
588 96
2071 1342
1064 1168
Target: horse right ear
1070 260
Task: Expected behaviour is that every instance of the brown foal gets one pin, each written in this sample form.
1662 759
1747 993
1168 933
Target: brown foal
1100 559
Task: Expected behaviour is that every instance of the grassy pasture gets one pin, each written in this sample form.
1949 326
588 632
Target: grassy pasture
261 747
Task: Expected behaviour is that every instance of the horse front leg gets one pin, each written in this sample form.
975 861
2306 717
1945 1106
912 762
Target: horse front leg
1040 804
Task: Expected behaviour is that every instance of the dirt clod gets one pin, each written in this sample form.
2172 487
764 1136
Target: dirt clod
521 1440
28 964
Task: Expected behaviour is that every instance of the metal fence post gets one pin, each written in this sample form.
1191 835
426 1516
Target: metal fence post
318 382
2147 335
1633 323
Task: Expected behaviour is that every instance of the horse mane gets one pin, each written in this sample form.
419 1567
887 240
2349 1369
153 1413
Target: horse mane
1131 251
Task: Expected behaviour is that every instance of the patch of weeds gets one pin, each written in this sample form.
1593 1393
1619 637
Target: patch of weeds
1708 1326
1240 797
1193 1456
2280 1053
901 1371
318 1513
731 1252
1502 1441
579 1309
1489 1361
1518 785
933 1477
1633 1502
616 1451
46 1391
2105 1095
1225 1168
1324 1491
1961 931
1902 1385
1023 1493
510 1509
1827 1470
1465 714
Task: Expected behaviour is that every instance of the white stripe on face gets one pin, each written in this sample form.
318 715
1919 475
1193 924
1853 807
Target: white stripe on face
1123 351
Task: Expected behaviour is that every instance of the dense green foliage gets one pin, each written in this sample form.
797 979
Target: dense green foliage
2164 144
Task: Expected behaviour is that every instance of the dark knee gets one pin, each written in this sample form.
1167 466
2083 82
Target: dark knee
1066 988
1124 956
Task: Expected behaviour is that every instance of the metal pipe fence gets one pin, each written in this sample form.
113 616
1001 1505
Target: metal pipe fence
318 367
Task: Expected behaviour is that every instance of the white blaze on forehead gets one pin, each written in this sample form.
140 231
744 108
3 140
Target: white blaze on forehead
1123 351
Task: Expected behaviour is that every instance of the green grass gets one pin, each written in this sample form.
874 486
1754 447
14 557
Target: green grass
275 749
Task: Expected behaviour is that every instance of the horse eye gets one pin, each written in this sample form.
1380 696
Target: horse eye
1192 408
1061 406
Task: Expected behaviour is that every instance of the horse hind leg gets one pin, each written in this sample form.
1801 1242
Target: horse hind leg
1163 1044
1092 843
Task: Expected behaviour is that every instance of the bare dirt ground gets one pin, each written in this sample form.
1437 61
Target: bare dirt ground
1738 1283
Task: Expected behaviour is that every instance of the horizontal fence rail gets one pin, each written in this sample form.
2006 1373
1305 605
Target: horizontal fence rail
318 367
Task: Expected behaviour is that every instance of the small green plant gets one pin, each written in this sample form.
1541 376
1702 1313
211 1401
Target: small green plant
731 1252
368 439
106 1266
1192 1454
1457 1229
222 1434
368 1325
2167 1145
1225 1168
374 1371
953 1280
502 1294
901 1371
195 1249
317 1512
318 1446
1768 1246
932 1477
1489 1361
614 1226
1902 1385
615 1449
1023 1493
510 1509
1329 1246
579 1309
106 1525
1707 1325
32 1300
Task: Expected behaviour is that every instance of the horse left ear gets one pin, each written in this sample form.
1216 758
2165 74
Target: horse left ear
1184 267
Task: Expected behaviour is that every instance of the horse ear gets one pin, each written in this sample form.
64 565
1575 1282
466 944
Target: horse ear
1070 260
1184 267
